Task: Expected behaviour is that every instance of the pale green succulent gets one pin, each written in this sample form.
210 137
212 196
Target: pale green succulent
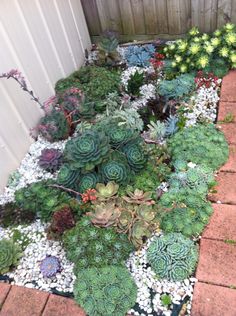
230 38
203 61
106 191
10 253
224 52
194 48
215 41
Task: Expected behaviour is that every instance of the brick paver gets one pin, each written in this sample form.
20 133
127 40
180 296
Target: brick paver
4 290
229 130
228 89
226 108
222 224
22 301
61 306
230 165
212 300
217 263
226 188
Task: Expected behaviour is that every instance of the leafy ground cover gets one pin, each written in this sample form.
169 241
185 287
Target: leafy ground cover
112 197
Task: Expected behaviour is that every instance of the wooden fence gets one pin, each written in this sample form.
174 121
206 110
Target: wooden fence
45 40
145 19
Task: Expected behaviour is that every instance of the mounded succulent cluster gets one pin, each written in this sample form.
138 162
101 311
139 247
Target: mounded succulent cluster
177 88
201 144
139 55
204 51
105 291
10 253
197 179
88 246
50 159
172 256
54 126
40 199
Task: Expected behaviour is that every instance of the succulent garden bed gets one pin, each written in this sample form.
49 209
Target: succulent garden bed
110 202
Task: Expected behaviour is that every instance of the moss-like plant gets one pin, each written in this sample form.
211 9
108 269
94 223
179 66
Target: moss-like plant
10 253
40 198
106 291
172 256
88 246
201 144
87 150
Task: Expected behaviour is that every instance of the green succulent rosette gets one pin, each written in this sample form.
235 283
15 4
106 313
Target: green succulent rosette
119 135
135 155
10 253
88 181
87 150
68 177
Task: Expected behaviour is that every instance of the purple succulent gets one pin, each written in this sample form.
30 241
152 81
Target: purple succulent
49 266
50 159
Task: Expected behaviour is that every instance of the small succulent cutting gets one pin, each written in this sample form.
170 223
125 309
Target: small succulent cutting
50 159
49 266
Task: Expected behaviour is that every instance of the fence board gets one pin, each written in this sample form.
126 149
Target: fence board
45 40
146 19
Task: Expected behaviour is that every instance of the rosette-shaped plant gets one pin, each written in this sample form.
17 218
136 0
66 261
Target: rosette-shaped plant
119 135
201 144
105 291
116 168
135 155
50 159
139 197
68 177
172 257
49 266
104 214
87 245
87 150
40 198
10 253
106 191
54 126
88 181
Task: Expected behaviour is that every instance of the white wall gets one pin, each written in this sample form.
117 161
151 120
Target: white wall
45 40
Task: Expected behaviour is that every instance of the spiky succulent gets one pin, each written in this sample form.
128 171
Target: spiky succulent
49 266
54 126
104 214
88 181
116 168
135 155
87 150
106 191
10 253
201 144
105 291
68 177
172 256
50 159
88 246
187 213
157 130
119 135
171 126
40 198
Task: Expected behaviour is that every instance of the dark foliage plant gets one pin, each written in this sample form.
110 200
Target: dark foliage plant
50 159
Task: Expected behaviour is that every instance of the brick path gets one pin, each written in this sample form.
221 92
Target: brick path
215 293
